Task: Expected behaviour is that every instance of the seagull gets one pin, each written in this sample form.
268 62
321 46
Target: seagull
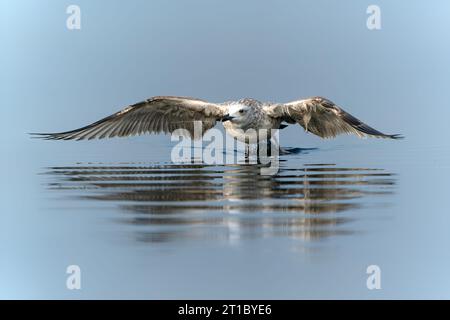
165 114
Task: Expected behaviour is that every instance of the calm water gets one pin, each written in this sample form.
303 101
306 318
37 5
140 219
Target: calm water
176 203
153 229
140 226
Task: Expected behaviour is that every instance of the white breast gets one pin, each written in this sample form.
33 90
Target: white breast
251 133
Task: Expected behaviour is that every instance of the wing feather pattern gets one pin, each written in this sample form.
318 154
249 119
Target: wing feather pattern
154 115
323 118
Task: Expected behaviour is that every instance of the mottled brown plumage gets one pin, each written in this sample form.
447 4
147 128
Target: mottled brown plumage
165 114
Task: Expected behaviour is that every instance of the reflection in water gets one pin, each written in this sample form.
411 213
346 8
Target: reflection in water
177 202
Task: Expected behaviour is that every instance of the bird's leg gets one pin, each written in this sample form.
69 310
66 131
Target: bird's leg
247 151
263 148
257 153
274 145
269 147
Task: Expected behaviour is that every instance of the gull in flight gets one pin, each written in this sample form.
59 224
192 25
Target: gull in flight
166 114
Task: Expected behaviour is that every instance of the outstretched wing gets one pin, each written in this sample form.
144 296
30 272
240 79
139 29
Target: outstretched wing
154 115
323 118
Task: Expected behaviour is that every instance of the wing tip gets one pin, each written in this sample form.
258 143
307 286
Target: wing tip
38 135
396 136
48 136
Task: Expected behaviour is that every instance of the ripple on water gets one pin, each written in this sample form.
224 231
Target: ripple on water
176 202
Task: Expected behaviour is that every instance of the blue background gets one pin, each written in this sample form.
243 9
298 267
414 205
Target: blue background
52 79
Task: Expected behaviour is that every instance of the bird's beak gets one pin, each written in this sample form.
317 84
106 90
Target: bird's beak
227 118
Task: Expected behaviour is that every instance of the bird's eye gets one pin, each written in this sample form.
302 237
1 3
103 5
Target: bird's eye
241 111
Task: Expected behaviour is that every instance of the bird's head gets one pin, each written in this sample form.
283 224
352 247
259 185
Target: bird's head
239 113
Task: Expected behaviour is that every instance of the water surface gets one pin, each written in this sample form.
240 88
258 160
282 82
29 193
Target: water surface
207 203
141 227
